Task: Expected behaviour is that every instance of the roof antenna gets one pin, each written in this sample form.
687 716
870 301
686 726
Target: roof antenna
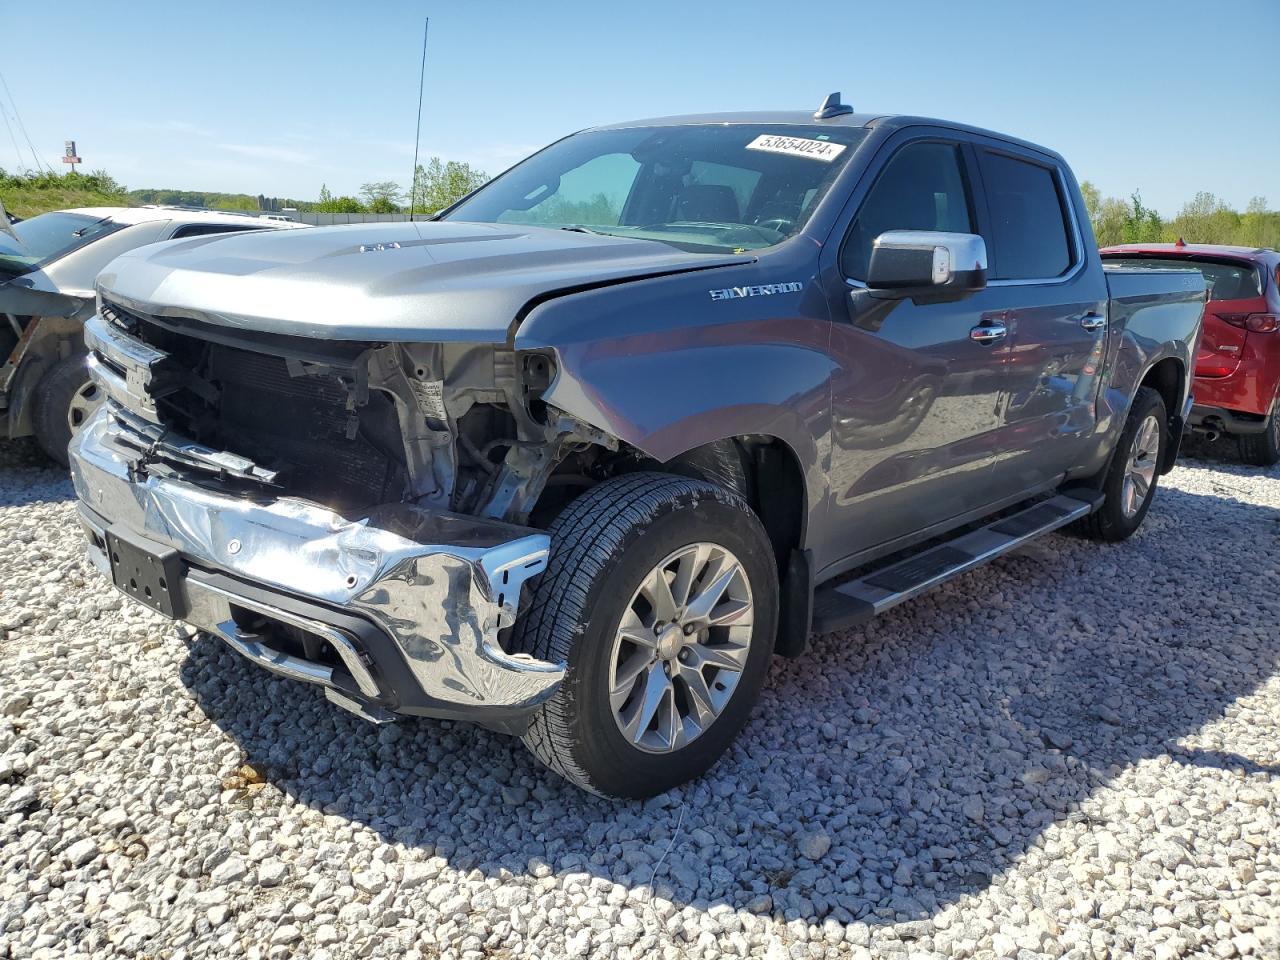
832 107
417 131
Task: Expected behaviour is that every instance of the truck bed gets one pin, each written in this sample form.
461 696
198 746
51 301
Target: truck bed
1132 289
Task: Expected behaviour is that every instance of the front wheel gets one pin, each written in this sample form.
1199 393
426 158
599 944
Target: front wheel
1131 478
661 595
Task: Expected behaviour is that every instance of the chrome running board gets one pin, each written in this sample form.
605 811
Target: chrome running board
857 601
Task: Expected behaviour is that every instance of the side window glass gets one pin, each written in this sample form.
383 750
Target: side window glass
1028 223
922 187
204 229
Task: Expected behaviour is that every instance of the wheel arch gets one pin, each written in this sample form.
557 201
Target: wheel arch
1168 377
767 473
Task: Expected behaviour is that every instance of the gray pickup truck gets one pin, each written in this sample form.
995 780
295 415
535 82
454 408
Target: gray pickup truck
576 458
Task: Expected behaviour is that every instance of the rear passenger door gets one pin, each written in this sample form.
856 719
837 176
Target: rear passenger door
1052 294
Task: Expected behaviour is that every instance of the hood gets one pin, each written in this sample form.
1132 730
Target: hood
422 281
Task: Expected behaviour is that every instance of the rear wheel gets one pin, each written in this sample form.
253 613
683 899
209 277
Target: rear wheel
64 399
661 596
1131 479
1262 449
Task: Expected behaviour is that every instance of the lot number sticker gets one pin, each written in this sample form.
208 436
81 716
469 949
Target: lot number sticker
797 147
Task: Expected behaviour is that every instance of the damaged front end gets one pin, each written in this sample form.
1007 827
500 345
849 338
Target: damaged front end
352 514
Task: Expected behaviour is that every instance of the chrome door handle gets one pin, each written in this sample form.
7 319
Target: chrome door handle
988 333
1093 322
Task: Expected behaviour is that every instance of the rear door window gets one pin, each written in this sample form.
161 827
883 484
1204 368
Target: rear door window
922 187
1029 233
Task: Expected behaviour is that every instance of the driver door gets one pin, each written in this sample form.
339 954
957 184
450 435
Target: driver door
916 398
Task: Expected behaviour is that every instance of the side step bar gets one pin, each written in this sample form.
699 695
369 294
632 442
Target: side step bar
857 601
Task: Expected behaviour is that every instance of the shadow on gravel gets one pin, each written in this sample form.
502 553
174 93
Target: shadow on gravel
913 760
1223 452
28 476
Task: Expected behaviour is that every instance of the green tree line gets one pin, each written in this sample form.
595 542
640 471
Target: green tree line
437 184
1203 219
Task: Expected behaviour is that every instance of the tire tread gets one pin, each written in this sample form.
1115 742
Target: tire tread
586 538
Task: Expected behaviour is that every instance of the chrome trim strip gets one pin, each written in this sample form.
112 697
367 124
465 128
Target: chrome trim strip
295 668
114 386
338 639
133 358
160 444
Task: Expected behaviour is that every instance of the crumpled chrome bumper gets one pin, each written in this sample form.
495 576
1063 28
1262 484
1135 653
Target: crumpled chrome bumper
407 603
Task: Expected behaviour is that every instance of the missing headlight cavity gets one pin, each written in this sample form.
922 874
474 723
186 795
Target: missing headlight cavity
538 372
456 427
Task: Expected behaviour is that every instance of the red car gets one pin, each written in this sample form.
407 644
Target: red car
1237 380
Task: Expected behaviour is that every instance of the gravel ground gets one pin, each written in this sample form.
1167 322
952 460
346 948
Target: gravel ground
1074 752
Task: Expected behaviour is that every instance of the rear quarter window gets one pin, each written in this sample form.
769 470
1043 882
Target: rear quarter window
1029 229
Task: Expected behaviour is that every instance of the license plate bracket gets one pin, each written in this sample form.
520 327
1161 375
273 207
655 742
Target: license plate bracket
149 572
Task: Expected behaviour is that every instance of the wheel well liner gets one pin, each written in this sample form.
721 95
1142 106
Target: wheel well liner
1167 377
766 472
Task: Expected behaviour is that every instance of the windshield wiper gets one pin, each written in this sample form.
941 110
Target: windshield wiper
579 228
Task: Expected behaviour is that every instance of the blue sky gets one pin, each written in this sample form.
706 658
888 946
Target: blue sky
280 97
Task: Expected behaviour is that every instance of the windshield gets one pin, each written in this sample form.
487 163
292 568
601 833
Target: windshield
706 188
1226 279
47 237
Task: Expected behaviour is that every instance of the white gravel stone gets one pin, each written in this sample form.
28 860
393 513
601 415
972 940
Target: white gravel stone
81 852
229 871
1074 752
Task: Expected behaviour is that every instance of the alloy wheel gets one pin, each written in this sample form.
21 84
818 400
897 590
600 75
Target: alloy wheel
1141 472
680 648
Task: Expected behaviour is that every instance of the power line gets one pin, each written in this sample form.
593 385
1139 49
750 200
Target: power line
22 126
17 151
417 130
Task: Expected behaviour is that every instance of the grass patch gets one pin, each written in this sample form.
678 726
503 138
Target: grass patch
28 201
28 194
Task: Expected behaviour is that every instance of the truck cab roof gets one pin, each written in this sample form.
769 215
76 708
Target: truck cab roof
880 121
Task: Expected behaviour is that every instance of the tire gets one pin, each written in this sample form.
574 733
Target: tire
64 398
1117 519
604 546
1262 449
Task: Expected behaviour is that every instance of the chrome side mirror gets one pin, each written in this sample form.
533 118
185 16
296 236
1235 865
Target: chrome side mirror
927 264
